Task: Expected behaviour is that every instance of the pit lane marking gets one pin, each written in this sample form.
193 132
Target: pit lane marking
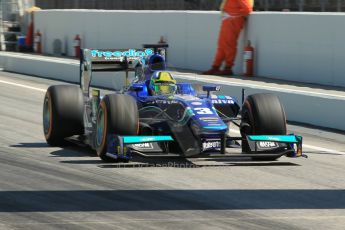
23 86
123 221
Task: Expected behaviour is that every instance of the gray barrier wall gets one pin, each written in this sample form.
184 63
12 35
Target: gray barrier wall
55 68
306 106
191 35
305 47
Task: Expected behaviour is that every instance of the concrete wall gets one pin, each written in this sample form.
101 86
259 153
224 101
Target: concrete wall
191 35
306 47
57 68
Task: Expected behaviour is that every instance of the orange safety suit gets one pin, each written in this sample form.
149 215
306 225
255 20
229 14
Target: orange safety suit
233 18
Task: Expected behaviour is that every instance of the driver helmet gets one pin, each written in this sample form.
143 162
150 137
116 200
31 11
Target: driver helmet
162 83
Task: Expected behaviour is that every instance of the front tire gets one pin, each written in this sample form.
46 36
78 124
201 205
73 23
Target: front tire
262 114
117 114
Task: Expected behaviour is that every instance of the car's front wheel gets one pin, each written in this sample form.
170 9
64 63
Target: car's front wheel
117 114
262 114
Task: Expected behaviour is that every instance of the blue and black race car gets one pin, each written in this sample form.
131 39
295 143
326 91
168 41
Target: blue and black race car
155 115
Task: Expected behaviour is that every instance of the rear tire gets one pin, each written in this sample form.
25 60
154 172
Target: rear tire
117 114
264 115
62 113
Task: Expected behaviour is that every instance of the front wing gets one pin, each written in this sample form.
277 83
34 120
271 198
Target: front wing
122 147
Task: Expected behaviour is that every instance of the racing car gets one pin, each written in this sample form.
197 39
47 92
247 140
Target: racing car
154 115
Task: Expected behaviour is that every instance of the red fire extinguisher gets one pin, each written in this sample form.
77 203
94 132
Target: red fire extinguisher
38 42
248 60
77 45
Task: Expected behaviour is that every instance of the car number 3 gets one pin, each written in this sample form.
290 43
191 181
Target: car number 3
203 111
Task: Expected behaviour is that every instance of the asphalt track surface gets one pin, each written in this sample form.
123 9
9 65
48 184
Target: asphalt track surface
43 187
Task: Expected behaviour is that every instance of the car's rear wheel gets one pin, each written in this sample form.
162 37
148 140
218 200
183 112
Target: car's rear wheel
117 114
262 114
62 113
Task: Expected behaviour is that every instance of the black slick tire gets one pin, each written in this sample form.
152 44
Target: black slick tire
117 114
62 113
262 114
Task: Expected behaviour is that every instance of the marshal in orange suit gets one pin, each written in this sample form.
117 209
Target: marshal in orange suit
233 18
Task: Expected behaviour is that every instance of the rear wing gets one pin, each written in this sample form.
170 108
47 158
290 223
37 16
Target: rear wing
103 60
108 60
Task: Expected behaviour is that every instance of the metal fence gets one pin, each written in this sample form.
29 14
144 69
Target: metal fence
260 5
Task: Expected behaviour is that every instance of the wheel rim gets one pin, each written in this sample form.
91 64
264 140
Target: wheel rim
100 132
47 116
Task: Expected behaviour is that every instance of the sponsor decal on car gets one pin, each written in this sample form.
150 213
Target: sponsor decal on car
209 118
214 124
222 101
267 144
115 54
167 102
211 144
196 103
143 146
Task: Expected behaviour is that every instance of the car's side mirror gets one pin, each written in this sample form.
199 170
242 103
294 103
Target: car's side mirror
210 88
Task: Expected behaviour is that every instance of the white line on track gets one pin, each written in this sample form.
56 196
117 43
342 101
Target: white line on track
321 149
23 86
255 86
233 131
44 58
158 220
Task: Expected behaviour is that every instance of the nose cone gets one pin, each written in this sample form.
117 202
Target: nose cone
206 118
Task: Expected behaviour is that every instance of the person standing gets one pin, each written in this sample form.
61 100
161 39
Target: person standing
234 13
